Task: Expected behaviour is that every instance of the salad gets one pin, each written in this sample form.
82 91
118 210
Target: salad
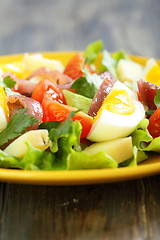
100 110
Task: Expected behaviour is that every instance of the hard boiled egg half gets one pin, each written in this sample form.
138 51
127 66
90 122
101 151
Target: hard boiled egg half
118 116
152 72
3 109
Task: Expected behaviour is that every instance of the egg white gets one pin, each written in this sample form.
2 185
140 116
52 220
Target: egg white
3 119
110 125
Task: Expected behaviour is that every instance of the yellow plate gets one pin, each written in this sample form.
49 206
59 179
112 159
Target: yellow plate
77 177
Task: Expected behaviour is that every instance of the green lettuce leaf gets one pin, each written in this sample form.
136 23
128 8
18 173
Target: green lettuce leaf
119 55
110 61
141 156
138 156
92 50
36 159
154 145
141 136
65 137
7 161
49 125
83 160
143 140
7 82
17 125
157 98
76 100
88 85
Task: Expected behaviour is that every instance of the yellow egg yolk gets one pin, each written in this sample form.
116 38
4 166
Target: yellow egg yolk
3 101
119 102
153 75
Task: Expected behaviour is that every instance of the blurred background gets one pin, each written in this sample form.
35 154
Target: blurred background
49 25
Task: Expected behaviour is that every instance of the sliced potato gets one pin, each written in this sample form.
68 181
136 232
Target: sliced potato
33 62
119 149
129 71
38 138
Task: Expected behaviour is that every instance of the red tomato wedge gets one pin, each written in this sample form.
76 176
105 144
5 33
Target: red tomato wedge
74 66
154 124
47 86
55 111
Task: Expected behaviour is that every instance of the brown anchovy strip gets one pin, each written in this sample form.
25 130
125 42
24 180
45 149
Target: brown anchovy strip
101 94
17 102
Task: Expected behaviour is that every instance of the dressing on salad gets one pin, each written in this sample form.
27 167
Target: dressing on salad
100 110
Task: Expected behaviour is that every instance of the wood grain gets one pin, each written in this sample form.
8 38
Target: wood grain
126 210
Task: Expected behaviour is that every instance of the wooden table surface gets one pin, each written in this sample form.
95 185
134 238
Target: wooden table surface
127 210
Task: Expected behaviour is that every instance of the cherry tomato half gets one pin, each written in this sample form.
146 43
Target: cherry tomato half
154 124
74 66
55 111
47 86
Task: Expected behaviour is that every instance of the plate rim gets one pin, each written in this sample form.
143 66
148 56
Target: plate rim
79 177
